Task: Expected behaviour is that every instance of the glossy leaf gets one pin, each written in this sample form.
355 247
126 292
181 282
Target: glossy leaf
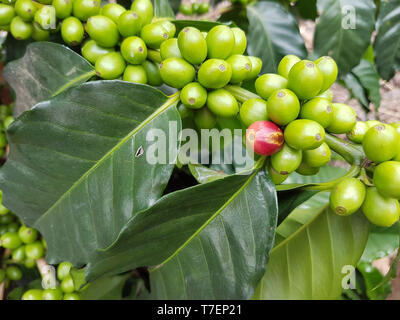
105 288
163 9
312 246
373 277
369 79
387 42
45 70
273 33
79 164
344 31
352 83
203 174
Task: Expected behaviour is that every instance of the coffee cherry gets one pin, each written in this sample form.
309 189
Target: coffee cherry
241 67
358 132
319 110
26 9
283 107
344 118
46 2
329 70
84 9
3 140
27 235
304 134
264 137
14 273
305 79
220 42
194 96
276 177
34 250
7 13
170 49
72 296
176 72
380 210
135 74
214 74
372 123
387 179
195 7
63 8
3 229
2 275
112 11
72 31
103 30
154 35
253 110
33 294
192 45
110 66
317 157
63 270
152 73
203 8
144 9
380 143
129 24
256 66
20 29
184 111
13 227
240 41
305 170
286 65
134 50
186 9
91 51
222 103
46 18
38 34
268 83
347 196
286 160
169 27
29 263
18 255
6 218
328 95
52 294
10 240
204 118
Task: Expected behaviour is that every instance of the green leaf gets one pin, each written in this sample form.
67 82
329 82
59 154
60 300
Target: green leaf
307 9
105 288
369 79
201 25
227 257
45 70
163 9
373 277
344 31
14 49
356 89
387 42
273 33
312 246
203 174
78 167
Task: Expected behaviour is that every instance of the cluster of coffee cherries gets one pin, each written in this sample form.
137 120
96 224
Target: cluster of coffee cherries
6 119
194 8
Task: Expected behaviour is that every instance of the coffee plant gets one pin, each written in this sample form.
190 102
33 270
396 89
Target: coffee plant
156 158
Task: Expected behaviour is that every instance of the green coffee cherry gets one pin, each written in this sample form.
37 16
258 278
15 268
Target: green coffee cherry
129 24
7 13
305 79
20 29
380 143
192 45
204 118
3 140
304 134
168 26
268 83
135 74
286 160
46 18
184 111
26 9
203 8
286 64
170 49
63 8
27 235
317 157
10 240
38 34
13 227
222 103
63 270
329 70
358 132
103 30
387 179
152 73
72 31
29 263
215 74
344 118
186 9
347 196
176 72
67 285
154 35
72 296
380 210
8 121
256 66
305 170
220 42
372 123
283 107
195 7
276 177
194 96
52 294
91 51
6 218
241 67
34 250
319 110
253 110
112 11
110 66
18 255
33 294
84 9
144 9
3 230
134 50
14 273
328 95
240 41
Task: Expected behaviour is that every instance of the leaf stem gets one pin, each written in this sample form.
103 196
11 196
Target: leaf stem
347 150
241 94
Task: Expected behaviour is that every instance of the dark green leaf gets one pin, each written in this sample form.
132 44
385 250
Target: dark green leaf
203 174
105 288
356 89
369 79
307 9
163 9
372 277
